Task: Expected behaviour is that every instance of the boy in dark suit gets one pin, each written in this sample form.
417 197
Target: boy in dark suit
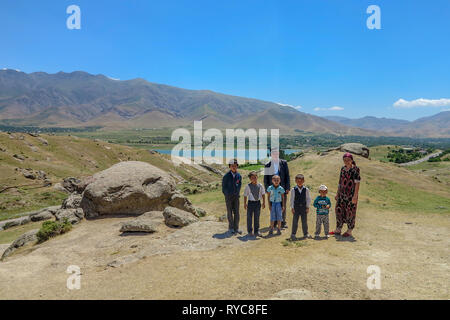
231 187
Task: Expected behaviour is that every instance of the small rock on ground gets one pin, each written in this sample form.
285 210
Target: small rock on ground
292 294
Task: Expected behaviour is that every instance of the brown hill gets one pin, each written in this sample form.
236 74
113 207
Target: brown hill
82 99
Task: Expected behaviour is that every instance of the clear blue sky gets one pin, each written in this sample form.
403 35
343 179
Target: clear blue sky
316 54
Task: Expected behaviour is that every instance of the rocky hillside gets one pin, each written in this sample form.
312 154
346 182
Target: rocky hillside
436 126
33 167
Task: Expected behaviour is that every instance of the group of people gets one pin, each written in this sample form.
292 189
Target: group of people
276 189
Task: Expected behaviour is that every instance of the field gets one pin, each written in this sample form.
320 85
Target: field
402 226
66 156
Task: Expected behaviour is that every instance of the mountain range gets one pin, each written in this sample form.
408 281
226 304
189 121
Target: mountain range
80 99
437 125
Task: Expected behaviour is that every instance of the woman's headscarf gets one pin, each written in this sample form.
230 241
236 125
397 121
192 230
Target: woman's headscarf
349 155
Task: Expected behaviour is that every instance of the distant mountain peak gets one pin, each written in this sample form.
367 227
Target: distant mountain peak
79 98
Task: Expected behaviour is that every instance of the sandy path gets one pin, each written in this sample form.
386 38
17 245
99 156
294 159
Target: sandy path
410 249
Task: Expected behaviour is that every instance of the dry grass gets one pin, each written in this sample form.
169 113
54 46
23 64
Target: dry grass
409 242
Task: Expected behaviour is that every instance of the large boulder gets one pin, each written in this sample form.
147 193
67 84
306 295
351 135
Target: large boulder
175 217
355 148
130 187
24 239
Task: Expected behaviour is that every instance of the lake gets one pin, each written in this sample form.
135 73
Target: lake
250 154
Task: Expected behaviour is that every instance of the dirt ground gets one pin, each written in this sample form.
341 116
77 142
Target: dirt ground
402 226
411 251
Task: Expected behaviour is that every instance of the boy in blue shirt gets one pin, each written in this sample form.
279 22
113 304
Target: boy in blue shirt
322 205
276 194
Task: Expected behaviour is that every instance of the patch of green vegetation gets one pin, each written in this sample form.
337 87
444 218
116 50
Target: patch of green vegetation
12 206
251 167
207 197
306 164
9 235
330 140
442 157
403 155
394 196
51 229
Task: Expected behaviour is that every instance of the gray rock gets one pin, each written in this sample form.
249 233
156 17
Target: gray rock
200 212
130 187
43 141
44 214
355 148
58 186
139 225
178 200
41 175
178 218
293 294
29 174
24 239
72 215
19 157
16 222
212 169
72 202
156 216
72 184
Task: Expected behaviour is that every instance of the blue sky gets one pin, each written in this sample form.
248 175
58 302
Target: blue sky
314 54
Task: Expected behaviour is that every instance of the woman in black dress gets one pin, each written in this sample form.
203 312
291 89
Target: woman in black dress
347 196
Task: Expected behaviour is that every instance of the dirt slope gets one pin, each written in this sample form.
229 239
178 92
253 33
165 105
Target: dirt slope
408 240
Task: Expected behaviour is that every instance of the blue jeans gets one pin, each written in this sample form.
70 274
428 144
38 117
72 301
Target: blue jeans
276 213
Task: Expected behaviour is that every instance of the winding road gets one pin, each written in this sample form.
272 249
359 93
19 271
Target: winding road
431 155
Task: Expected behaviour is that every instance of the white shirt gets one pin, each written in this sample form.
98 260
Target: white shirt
248 193
308 196
276 165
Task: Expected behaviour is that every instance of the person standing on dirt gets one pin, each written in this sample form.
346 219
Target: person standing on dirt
231 188
347 196
279 167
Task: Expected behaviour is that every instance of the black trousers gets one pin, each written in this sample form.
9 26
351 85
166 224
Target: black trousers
232 203
253 210
300 212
